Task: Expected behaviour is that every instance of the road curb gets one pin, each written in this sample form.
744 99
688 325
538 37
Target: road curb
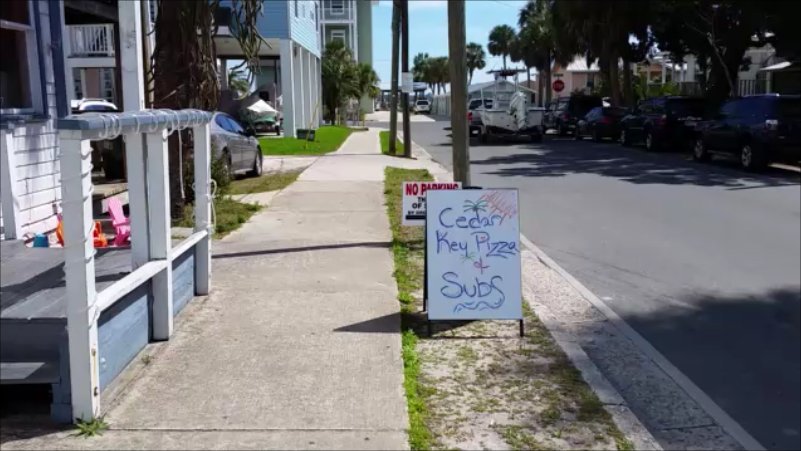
626 421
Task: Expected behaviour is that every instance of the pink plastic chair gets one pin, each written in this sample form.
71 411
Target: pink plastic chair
122 225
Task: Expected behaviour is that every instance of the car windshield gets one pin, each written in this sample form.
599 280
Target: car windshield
614 111
581 104
790 108
686 107
422 102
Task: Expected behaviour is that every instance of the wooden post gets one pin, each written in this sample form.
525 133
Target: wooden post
79 270
393 86
407 129
158 215
202 208
458 74
131 64
12 222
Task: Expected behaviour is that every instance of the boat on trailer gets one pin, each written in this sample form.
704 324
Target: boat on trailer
510 113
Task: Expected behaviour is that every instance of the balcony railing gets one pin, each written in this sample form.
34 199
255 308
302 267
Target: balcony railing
91 40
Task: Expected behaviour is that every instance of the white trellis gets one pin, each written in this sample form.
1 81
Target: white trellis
146 134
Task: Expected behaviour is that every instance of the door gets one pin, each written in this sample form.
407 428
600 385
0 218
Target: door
238 136
722 133
636 122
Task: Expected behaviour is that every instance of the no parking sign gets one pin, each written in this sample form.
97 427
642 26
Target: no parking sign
414 200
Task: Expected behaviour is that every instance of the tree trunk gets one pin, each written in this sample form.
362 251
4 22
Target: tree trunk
723 76
540 90
614 80
185 75
628 90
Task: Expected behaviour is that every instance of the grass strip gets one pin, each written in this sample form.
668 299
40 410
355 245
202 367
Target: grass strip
267 182
383 136
407 250
327 139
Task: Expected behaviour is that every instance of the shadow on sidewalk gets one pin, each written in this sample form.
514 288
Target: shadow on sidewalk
321 247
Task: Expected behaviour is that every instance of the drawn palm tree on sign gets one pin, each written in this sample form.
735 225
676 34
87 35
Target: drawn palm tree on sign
475 207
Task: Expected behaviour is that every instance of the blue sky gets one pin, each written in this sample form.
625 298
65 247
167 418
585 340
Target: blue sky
428 30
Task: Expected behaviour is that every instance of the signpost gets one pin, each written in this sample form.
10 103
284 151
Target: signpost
414 200
407 82
473 255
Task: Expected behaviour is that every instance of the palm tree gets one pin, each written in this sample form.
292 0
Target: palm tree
368 81
340 76
183 73
238 82
421 69
536 44
440 73
475 59
500 41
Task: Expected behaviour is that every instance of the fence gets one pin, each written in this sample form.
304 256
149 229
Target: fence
91 40
154 257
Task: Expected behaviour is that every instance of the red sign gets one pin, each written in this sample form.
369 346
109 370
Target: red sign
558 85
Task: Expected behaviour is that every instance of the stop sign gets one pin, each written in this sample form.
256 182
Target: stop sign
558 85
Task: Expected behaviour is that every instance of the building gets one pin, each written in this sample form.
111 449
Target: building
289 67
576 76
350 21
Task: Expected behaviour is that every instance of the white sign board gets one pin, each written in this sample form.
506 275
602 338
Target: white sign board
473 255
414 200
407 82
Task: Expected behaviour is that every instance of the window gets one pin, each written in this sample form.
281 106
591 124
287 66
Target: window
338 7
338 34
234 126
220 120
728 109
296 8
19 81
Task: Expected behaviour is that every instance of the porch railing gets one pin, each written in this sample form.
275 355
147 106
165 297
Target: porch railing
145 134
91 40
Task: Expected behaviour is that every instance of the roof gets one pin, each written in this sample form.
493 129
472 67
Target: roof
489 84
580 65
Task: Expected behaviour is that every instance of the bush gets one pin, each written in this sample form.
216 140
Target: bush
218 174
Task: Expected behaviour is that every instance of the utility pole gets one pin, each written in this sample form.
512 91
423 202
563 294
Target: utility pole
458 73
407 129
393 86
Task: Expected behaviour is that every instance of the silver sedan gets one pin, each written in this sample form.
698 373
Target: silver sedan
239 149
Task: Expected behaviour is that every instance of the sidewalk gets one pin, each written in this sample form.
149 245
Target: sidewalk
298 345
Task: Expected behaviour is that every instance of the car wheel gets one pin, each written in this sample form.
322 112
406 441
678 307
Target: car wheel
576 134
625 139
596 136
699 151
484 136
536 138
257 164
650 141
563 130
226 169
751 158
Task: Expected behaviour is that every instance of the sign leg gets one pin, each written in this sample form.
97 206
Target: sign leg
522 329
425 272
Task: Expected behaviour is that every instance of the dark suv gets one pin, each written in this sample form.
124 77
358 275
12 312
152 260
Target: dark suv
564 113
662 121
757 129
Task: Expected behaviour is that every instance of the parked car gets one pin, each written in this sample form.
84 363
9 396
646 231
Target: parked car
239 148
473 117
564 113
757 129
267 124
93 106
600 123
663 122
422 106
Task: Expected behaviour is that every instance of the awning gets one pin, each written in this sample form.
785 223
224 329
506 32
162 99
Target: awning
775 67
261 107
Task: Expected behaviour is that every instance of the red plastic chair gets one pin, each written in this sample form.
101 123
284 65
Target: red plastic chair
122 225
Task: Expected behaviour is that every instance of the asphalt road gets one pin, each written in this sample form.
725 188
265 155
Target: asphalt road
703 260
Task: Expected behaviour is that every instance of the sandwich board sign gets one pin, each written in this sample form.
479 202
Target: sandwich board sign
414 200
473 255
